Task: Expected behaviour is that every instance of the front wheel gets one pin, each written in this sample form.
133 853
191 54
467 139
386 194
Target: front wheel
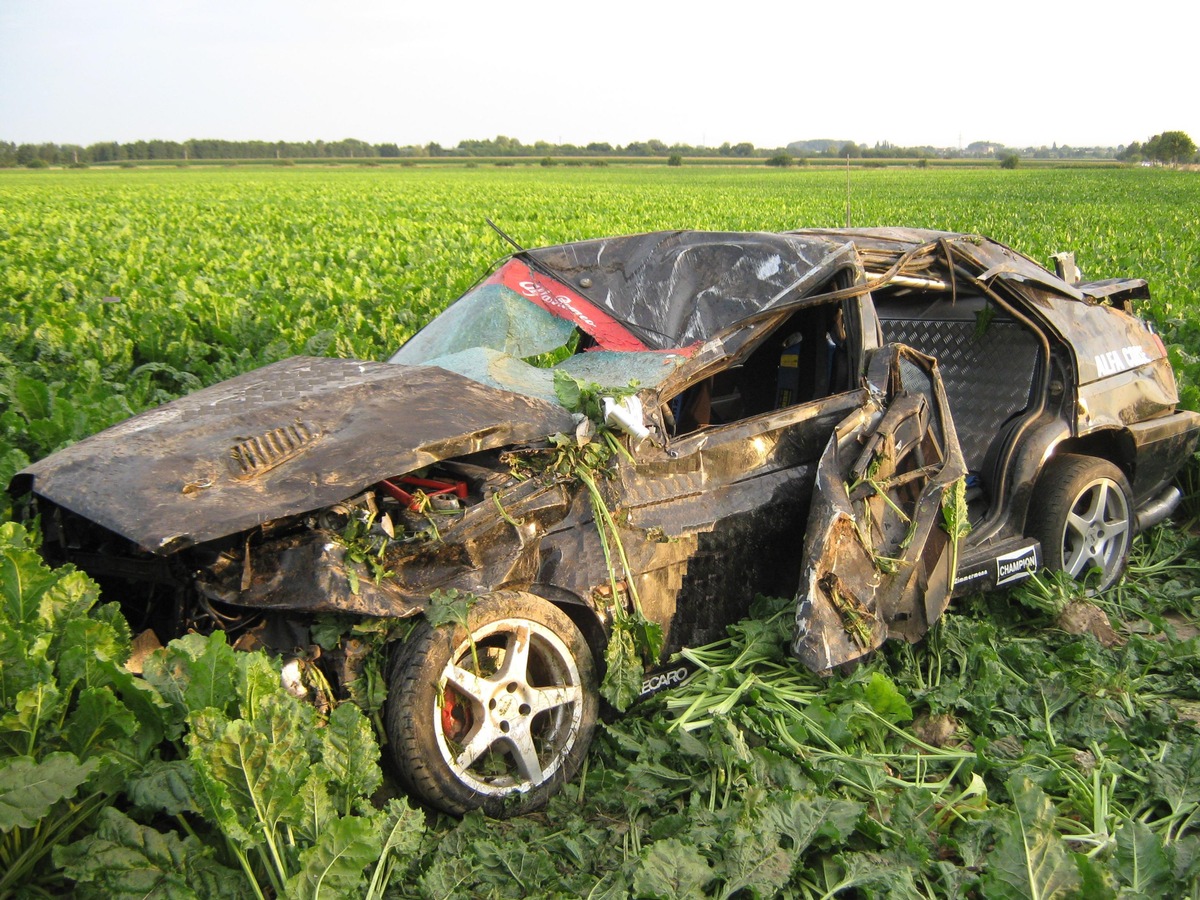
498 715
1083 516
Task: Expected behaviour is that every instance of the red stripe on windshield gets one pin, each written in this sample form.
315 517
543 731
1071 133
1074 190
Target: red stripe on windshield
559 300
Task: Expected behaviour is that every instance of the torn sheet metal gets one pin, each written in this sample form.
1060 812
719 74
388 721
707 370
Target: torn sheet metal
473 550
674 288
877 561
291 437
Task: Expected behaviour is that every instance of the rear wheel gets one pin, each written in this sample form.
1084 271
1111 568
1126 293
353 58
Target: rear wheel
1083 516
498 716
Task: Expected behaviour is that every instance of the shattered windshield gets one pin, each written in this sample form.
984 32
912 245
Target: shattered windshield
490 317
515 329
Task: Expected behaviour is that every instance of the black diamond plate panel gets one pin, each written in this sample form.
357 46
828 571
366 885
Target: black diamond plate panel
987 380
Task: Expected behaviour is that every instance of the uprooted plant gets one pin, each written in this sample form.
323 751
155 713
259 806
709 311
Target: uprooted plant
586 456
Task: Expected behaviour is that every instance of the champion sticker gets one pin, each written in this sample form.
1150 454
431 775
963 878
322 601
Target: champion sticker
1016 566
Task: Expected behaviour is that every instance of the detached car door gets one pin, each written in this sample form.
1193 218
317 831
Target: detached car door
886 520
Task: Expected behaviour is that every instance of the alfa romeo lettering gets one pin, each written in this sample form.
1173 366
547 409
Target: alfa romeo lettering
533 289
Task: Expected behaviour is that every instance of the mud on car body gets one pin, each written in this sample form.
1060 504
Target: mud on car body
871 420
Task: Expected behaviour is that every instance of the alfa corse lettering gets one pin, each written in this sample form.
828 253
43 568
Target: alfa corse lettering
1115 361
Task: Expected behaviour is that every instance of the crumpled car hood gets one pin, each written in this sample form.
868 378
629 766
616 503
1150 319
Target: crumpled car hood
294 436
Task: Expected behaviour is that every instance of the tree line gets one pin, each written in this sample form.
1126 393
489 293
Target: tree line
1171 147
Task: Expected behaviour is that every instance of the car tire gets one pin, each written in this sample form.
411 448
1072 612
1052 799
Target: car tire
1083 517
507 735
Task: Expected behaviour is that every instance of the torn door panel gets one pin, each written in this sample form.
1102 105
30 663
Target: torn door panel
877 561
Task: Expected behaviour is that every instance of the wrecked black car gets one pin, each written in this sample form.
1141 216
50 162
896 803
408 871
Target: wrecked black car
872 420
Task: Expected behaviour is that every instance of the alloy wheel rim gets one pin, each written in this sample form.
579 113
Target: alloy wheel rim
1097 530
511 725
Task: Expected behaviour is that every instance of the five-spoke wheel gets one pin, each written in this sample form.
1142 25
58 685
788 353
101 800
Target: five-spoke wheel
497 716
1083 516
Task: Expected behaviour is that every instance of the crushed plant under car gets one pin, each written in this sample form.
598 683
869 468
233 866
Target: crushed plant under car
605 450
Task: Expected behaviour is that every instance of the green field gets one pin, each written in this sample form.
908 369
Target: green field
1068 769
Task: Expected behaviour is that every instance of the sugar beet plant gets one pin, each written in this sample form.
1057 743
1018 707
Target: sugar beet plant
205 778
74 725
1004 757
1022 750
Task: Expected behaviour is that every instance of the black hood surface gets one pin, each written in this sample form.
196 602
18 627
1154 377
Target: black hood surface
294 436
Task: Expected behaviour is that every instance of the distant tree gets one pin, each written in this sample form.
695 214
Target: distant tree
548 161
72 154
851 150
1132 153
675 160
781 160
1009 161
507 146
109 151
1171 147
745 148
389 151
655 146
599 147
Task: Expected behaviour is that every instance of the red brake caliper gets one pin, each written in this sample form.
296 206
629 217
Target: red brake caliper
456 716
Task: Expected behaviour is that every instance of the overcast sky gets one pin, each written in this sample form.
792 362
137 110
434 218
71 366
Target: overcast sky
941 72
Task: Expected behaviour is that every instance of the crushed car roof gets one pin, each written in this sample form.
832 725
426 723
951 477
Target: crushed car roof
674 288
